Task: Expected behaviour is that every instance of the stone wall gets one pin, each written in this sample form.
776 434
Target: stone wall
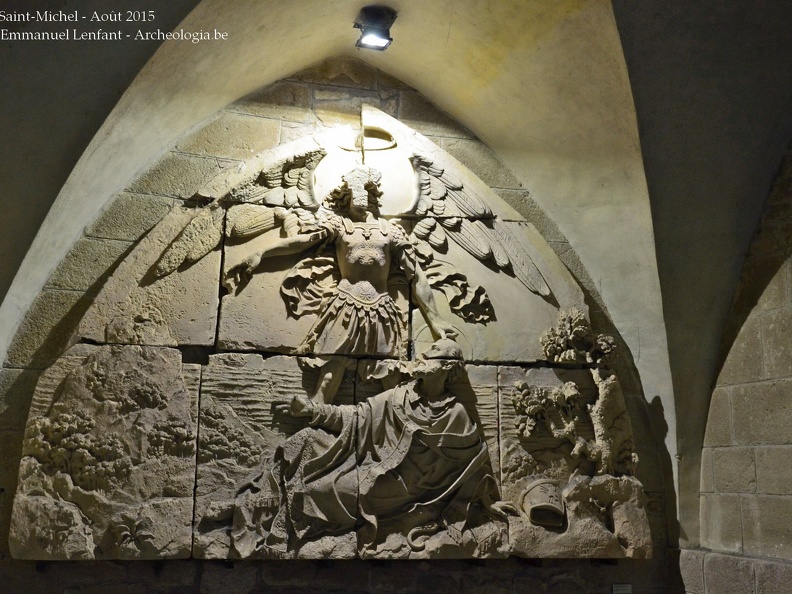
311 101
746 482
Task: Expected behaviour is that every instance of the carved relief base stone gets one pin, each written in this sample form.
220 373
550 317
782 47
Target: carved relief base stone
108 468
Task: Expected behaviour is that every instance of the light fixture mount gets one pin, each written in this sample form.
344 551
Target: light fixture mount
374 23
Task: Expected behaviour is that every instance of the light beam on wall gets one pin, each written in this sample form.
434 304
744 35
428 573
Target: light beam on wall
374 23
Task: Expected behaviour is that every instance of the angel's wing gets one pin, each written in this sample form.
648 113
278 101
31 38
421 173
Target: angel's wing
448 209
199 237
287 183
285 187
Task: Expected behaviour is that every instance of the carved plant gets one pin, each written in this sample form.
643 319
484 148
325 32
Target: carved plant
535 404
66 444
132 390
172 438
559 410
572 341
518 464
132 535
219 440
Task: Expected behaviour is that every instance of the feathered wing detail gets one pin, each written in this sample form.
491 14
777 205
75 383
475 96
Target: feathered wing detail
441 194
286 189
520 260
287 183
454 211
247 220
199 237
280 194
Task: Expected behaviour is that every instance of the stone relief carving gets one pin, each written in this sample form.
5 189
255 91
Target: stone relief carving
567 446
109 457
402 474
348 420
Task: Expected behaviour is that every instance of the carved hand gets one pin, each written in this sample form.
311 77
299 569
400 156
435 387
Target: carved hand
242 272
300 406
443 329
501 509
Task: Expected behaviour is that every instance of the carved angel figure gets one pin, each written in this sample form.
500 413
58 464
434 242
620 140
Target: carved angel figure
357 316
344 282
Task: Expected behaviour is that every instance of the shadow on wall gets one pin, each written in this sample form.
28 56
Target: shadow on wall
769 251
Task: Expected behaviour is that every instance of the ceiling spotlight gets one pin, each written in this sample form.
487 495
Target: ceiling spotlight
374 23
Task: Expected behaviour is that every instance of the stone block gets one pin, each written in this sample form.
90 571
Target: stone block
277 574
176 175
233 136
734 470
129 216
772 577
223 578
773 470
47 328
25 576
340 71
283 100
74 577
136 307
762 412
501 339
240 426
719 420
532 450
422 115
478 157
88 264
291 131
176 573
341 107
256 316
567 255
101 588
724 573
477 389
16 390
109 458
721 526
744 362
691 567
763 287
386 81
707 482
522 202
767 526
776 347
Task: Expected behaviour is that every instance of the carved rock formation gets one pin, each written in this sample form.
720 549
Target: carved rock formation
109 457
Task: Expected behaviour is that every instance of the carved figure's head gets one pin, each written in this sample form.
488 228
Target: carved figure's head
444 355
359 192
444 348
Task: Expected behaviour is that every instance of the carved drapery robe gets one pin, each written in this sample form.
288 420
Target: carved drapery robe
394 455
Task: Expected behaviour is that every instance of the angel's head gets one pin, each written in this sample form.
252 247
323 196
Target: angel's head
358 193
